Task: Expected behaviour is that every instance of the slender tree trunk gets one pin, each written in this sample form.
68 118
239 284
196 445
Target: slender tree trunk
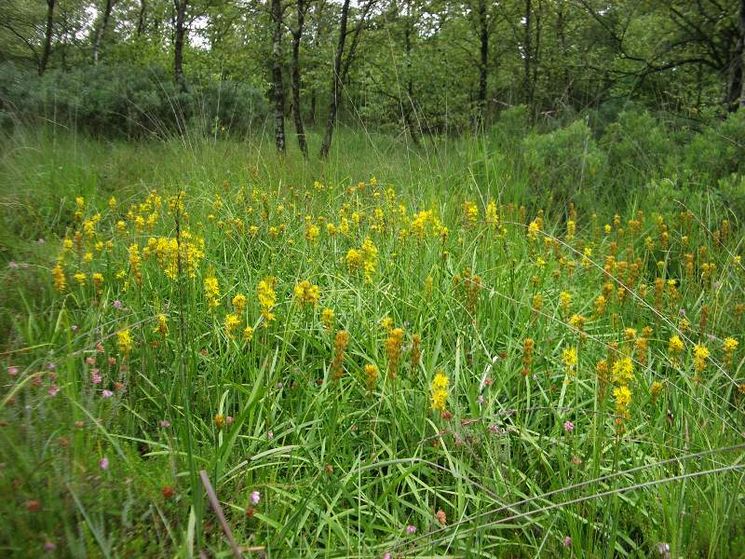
178 44
297 115
101 29
278 90
141 18
336 82
483 60
527 57
742 54
47 37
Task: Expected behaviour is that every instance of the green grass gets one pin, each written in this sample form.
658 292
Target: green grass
342 467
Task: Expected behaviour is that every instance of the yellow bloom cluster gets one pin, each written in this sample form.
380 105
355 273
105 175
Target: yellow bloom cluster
439 390
267 298
212 291
307 293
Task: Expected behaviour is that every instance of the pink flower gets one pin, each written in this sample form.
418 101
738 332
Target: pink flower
164 424
104 463
411 529
53 390
387 555
255 497
50 546
568 426
118 305
106 393
13 370
567 541
96 376
51 367
90 360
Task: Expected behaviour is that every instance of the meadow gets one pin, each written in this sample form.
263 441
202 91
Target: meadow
395 353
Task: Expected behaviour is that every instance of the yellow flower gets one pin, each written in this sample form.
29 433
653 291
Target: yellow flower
393 345
162 326
239 303
327 318
700 355
232 321
675 346
730 345
212 291
248 333
565 299
341 341
622 396
623 371
124 341
569 357
58 277
371 375
439 391
307 293
80 277
267 298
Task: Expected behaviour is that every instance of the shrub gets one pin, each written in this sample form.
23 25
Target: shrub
718 151
563 165
125 101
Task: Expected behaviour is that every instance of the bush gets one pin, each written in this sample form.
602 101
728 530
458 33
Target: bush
125 101
638 149
718 151
564 165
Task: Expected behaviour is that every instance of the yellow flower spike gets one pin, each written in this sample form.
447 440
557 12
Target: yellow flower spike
439 389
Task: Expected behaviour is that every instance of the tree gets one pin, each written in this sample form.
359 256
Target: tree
178 42
278 89
46 52
341 66
100 30
297 35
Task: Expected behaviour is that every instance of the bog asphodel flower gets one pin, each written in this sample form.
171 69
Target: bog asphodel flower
212 291
700 355
622 397
439 390
327 318
232 322
307 293
267 298
393 345
124 341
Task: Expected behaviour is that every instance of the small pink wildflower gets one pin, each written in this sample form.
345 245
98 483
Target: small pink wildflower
255 497
567 541
53 390
90 360
164 424
104 463
13 370
568 426
106 393
411 529
118 305
50 546
96 376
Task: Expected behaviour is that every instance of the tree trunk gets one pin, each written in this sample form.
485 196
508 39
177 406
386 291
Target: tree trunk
297 115
278 90
483 60
336 82
47 37
141 18
742 54
101 30
409 106
527 58
178 44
